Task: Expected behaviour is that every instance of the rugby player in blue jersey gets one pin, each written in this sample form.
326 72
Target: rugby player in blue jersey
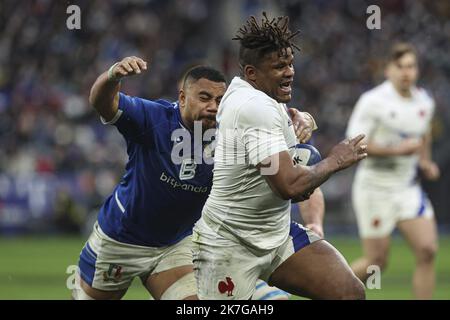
144 227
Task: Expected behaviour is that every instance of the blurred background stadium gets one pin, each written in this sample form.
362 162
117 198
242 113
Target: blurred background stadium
58 162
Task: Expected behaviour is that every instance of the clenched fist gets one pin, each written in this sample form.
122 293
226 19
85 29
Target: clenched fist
127 67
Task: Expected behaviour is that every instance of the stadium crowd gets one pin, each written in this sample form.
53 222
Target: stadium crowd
46 70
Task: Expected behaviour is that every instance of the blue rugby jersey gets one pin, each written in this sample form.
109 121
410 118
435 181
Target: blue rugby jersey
153 204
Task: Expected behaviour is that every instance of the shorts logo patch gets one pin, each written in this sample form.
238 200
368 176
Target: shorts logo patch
114 273
226 286
376 223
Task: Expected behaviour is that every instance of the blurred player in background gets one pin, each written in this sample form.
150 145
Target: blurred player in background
144 227
396 116
245 232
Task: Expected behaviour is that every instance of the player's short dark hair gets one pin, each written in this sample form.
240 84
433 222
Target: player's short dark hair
203 71
399 49
257 40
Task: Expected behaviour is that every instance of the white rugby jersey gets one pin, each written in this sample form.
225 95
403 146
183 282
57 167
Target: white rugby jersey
251 127
387 118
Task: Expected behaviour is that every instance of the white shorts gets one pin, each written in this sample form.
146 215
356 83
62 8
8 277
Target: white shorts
379 210
109 265
227 270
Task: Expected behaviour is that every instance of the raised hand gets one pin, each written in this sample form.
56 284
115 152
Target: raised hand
127 67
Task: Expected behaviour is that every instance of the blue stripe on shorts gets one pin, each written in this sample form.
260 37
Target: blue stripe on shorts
275 294
87 261
260 285
422 204
299 236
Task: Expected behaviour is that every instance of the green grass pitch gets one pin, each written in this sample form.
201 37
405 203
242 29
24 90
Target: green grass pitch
35 268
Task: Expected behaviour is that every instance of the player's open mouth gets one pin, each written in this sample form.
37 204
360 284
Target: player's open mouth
286 87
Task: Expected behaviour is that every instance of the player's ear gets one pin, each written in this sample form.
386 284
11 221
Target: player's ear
182 98
250 72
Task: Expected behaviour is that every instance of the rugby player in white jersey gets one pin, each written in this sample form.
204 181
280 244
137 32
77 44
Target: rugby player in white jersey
395 116
245 232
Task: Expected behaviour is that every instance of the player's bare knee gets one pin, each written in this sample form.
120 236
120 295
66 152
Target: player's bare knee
380 261
426 254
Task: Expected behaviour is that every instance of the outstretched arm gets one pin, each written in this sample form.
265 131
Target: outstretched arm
294 182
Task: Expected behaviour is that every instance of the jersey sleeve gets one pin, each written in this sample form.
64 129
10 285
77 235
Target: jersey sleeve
135 117
363 118
261 125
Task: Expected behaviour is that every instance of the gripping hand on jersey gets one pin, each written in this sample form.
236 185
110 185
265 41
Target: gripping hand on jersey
304 124
127 67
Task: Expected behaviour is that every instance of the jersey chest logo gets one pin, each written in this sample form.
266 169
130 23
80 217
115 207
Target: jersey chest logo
422 113
187 169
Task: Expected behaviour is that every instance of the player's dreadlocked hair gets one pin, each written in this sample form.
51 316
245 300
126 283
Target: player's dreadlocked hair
259 39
